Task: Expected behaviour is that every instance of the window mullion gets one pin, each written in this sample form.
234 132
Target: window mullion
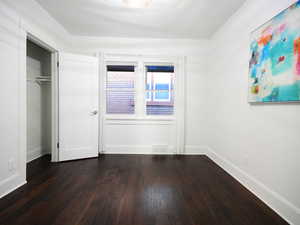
140 93
143 89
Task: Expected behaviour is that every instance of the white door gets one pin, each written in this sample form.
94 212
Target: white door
78 107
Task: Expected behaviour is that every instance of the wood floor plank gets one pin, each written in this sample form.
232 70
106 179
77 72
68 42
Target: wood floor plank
133 190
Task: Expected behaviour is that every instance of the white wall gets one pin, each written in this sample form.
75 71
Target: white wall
38 22
196 75
38 102
139 138
259 144
12 93
15 21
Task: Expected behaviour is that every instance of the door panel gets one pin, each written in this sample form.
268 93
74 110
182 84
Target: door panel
78 107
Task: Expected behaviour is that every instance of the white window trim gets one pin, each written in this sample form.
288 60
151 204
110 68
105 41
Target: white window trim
179 91
103 86
167 61
150 88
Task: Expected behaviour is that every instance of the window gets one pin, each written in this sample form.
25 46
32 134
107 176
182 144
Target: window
120 89
159 90
134 92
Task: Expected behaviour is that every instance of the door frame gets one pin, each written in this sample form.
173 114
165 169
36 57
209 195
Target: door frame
54 95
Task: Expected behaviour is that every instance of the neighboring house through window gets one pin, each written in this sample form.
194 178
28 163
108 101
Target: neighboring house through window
122 89
160 90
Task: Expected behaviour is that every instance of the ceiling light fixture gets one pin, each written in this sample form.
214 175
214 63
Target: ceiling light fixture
137 3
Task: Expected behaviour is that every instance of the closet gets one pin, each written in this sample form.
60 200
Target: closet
39 111
62 103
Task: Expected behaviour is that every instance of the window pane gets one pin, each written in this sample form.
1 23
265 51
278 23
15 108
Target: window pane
120 90
162 103
120 79
162 96
162 86
160 110
119 102
160 90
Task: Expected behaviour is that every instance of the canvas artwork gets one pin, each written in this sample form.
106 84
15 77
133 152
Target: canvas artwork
275 59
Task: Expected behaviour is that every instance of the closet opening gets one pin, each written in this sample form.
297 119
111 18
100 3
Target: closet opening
41 71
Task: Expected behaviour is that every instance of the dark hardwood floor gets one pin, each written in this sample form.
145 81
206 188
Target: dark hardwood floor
133 190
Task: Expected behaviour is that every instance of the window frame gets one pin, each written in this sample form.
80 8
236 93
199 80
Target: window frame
140 62
120 89
105 89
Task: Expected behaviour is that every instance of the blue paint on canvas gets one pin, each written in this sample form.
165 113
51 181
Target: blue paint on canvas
265 53
282 55
254 72
274 72
289 93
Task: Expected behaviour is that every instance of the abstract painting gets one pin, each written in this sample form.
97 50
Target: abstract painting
274 74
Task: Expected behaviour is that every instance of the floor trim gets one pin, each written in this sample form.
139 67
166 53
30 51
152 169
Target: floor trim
139 150
11 184
278 203
195 150
35 154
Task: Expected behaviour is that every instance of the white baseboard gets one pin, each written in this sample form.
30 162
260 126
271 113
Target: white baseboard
278 203
150 150
10 184
195 150
36 153
138 150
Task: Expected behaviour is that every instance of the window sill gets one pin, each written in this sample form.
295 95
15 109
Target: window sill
149 120
146 118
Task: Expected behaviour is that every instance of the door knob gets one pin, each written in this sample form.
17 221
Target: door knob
95 112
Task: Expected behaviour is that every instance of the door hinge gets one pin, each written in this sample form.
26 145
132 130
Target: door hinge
57 64
57 145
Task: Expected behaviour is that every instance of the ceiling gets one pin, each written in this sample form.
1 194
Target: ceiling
193 19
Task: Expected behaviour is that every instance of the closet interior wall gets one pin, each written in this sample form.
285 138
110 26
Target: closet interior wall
38 101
